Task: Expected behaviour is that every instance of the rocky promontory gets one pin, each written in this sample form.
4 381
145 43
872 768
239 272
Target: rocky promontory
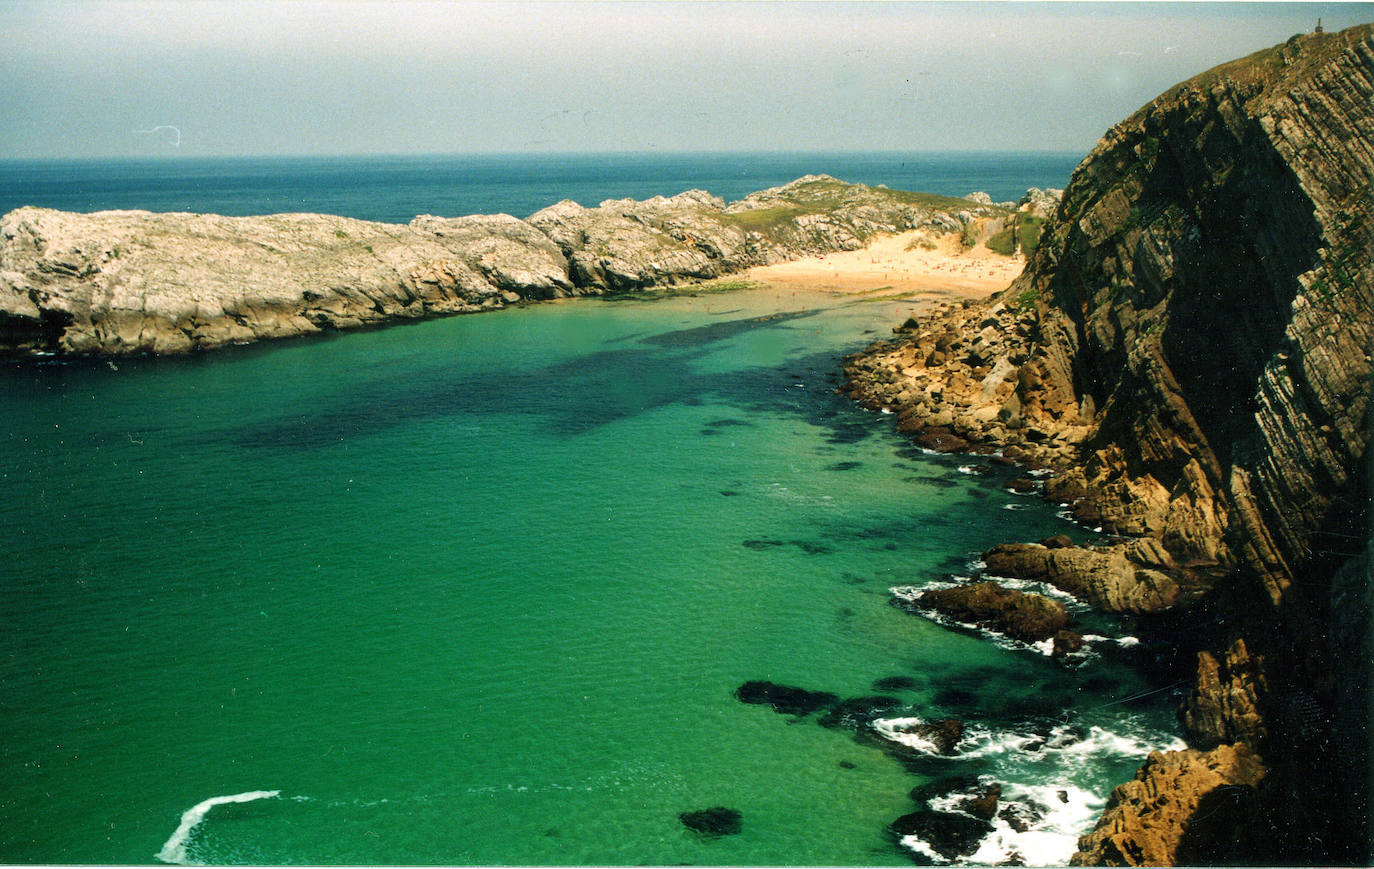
126 282
1189 353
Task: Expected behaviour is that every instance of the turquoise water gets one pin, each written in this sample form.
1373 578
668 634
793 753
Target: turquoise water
480 590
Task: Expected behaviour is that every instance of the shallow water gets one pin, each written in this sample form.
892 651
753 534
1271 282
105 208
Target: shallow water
479 591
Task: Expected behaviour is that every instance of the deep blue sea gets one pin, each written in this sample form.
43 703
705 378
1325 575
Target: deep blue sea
481 590
395 189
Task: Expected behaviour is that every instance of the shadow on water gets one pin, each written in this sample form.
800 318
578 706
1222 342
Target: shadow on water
583 393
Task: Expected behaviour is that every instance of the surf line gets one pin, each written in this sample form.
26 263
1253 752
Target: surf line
174 851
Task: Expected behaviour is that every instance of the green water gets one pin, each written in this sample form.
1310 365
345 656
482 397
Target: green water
479 590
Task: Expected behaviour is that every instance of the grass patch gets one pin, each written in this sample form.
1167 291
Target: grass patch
1025 233
1028 297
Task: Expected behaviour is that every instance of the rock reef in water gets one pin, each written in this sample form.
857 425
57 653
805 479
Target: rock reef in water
1189 349
126 282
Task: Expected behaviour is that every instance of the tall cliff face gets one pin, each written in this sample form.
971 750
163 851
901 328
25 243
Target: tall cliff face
1191 347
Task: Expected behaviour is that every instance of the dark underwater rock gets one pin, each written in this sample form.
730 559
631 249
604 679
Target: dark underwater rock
785 698
715 821
858 711
896 683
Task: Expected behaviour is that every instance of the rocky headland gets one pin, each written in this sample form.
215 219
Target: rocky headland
1188 353
130 282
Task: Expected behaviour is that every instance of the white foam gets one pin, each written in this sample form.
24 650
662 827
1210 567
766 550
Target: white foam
1066 813
1061 742
174 850
917 844
898 730
1055 816
1125 642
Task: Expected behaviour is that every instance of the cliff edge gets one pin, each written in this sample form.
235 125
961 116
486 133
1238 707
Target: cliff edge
1190 350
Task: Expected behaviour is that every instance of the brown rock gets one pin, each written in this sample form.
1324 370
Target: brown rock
1066 643
1104 578
1147 819
982 804
1026 617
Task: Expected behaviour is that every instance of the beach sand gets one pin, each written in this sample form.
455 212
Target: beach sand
887 264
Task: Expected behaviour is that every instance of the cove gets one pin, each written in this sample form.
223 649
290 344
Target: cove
481 590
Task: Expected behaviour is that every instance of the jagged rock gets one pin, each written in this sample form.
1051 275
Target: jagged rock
1022 616
1146 819
1041 203
1227 696
1193 343
715 821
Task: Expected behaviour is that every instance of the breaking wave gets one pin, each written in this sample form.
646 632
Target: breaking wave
175 849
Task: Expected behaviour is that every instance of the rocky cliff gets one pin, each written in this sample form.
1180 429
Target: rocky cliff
123 282
1190 349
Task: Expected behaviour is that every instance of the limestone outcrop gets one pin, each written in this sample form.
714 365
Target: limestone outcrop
1189 351
124 282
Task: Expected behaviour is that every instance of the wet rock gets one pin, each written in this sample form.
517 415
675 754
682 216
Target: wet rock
715 821
947 834
943 734
1066 643
1026 617
982 804
858 711
941 440
785 698
1019 816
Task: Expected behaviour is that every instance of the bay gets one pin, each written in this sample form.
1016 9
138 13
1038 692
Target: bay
480 591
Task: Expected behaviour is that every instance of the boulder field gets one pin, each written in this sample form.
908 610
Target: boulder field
1189 353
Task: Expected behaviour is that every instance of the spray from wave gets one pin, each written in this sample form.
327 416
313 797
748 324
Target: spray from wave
175 849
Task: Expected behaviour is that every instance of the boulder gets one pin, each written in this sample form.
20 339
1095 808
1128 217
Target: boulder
1026 617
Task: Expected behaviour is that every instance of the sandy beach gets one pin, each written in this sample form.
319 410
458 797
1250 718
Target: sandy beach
901 264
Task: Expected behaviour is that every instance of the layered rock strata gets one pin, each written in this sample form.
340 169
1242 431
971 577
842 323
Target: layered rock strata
1189 351
122 282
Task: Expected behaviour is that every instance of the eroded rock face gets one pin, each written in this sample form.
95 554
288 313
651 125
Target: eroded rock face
1164 815
1190 350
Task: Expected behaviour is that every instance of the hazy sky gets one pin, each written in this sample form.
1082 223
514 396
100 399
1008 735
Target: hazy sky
335 77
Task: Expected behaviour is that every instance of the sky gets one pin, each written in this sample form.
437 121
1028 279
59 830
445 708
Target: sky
116 78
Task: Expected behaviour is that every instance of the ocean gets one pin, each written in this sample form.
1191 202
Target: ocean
481 590
396 189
